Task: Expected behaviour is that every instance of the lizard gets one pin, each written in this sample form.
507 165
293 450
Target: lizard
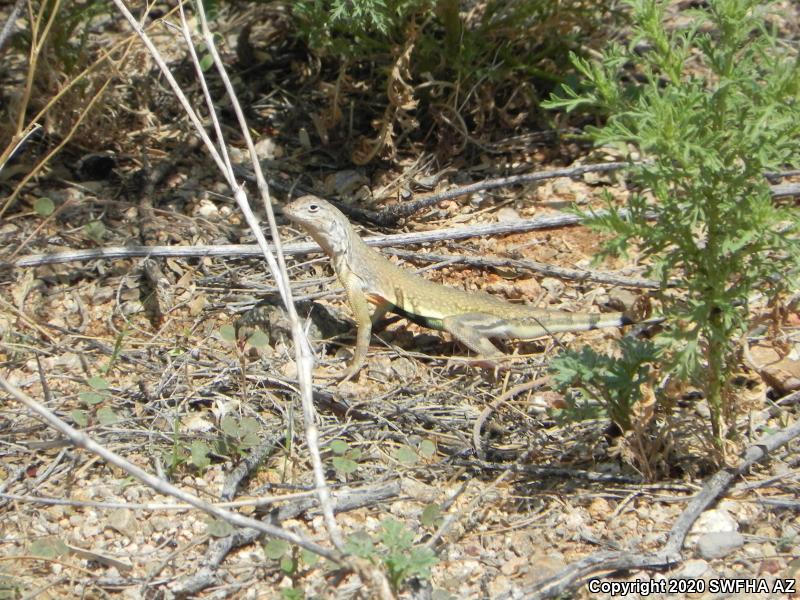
472 318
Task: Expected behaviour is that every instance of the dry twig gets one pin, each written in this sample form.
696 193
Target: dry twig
602 562
81 440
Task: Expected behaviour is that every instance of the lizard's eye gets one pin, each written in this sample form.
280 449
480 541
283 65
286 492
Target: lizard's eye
312 208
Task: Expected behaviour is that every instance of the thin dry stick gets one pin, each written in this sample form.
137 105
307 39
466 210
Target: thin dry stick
38 39
250 502
391 214
82 440
10 24
17 141
239 250
602 562
303 355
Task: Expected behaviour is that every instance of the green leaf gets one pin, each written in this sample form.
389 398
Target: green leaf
249 425
43 206
420 563
219 528
107 416
406 455
49 547
275 548
431 515
360 544
309 558
258 339
288 564
339 446
427 449
79 417
230 426
344 465
97 383
249 440
200 454
95 230
228 333
206 62
290 593
396 535
91 398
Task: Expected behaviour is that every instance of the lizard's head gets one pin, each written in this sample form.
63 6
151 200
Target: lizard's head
323 221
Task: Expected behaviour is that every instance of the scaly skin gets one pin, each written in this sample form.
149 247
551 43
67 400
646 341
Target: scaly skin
472 318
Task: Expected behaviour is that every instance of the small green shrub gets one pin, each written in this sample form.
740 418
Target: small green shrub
607 386
355 28
493 61
99 394
395 550
345 459
716 108
239 435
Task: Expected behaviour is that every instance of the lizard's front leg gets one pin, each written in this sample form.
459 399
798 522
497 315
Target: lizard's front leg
360 307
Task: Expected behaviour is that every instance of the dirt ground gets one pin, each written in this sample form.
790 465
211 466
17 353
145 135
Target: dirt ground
136 352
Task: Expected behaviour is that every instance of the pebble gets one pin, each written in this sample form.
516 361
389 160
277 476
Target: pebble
692 569
718 544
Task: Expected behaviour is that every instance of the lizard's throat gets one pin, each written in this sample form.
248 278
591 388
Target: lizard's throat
335 243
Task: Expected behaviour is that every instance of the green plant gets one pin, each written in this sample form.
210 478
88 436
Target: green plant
44 206
69 66
409 456
98 394
289 560
395 550
429 57
616 382
200 455
345 459
238 435
716 108
96 231
355 28
67 40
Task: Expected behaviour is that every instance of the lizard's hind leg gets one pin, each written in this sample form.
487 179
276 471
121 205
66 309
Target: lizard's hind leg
474 330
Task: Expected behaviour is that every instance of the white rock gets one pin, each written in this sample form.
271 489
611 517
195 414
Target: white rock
692 569
718 544
206 209
507 215
711 521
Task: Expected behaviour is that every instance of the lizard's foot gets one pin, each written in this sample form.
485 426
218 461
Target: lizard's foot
337 378
485 363
352 372
490 364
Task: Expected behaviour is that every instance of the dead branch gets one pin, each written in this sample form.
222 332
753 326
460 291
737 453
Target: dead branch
530 265
343 501
249 250
81 440
390 215
578 572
